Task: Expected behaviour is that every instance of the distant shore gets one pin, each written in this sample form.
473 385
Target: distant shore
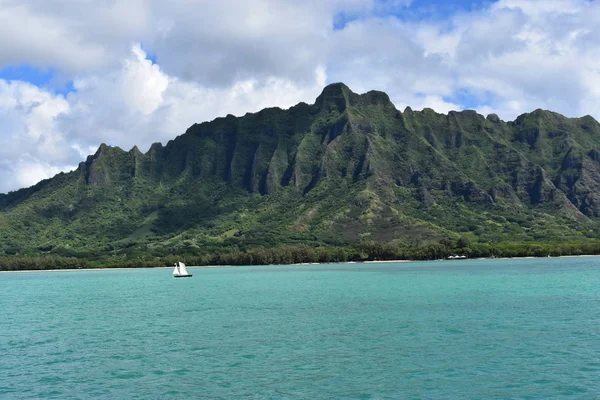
298 264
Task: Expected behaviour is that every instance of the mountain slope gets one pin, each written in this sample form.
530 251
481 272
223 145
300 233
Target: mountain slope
347 169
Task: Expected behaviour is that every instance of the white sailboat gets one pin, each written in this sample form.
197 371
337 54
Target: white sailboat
180 271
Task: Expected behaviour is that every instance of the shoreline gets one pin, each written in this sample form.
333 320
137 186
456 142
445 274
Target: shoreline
297 264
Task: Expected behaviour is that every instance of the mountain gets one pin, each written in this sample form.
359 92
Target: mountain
346 170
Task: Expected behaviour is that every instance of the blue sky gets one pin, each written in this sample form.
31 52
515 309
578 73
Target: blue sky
41 77
137 72
415 10
28 73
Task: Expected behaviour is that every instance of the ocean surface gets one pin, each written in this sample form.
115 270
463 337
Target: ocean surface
469 329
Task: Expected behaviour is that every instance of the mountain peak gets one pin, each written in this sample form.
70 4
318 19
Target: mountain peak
336 87
376 97
335 95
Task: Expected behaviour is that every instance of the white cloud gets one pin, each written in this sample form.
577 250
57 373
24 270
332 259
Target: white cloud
231 41
214 43
30 150
538 55
72 36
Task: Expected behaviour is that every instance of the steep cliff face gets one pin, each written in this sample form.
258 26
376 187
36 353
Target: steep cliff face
346 168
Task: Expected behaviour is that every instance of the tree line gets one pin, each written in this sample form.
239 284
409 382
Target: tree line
290 254
45 262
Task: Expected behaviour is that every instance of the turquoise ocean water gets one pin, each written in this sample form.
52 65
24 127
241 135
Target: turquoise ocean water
438 330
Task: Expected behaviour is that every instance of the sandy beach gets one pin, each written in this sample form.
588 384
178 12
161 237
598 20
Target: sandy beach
300 264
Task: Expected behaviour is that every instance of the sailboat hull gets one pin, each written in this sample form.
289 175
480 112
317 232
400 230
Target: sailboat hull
182 276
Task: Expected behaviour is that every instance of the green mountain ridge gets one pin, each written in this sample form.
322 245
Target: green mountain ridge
347 170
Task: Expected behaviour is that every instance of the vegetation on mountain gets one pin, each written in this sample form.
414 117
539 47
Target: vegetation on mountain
349 177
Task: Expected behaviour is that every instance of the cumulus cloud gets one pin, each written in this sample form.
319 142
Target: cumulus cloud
31 150
214 43
395 63
232 40
72 36
216 58
528 55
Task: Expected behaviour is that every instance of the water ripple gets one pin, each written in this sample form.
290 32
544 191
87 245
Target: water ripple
475 329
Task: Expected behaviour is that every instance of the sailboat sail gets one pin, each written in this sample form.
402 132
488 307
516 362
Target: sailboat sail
182 269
